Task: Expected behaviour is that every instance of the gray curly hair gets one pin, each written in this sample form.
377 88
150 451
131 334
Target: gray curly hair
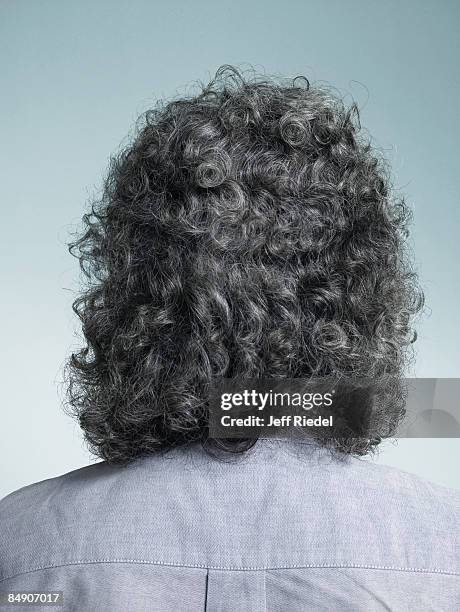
248 231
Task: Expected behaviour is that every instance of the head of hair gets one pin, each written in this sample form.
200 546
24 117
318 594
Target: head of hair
251 231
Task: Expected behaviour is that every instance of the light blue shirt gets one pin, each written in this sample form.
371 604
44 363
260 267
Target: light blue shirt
286 527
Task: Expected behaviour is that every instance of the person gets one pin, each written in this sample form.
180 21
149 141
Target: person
249 231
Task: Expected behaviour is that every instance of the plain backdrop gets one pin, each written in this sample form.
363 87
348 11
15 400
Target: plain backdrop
75 75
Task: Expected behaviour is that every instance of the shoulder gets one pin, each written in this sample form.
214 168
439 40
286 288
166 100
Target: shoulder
41 521
430 499
44 495
79 516
410 501
405 483
418 520
361 478
372 514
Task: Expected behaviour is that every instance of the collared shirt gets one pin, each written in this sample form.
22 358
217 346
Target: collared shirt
284 527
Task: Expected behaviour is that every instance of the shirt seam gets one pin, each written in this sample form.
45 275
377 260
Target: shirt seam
240 568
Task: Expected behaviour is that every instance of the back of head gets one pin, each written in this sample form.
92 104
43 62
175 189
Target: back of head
247 231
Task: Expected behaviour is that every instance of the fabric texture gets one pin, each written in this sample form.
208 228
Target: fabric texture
284 527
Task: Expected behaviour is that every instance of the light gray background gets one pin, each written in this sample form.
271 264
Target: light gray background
74 76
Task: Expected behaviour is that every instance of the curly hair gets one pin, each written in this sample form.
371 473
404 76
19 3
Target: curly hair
247 231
